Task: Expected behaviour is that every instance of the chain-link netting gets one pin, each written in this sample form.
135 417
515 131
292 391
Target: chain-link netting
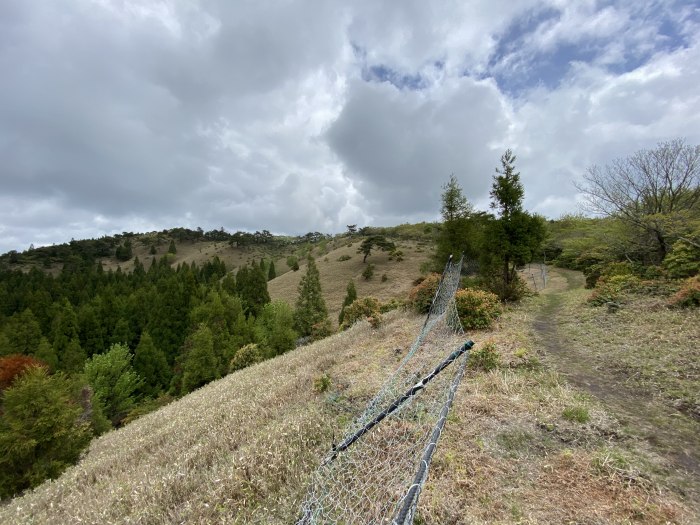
376 472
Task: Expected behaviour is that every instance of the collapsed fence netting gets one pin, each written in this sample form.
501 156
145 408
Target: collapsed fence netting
376 472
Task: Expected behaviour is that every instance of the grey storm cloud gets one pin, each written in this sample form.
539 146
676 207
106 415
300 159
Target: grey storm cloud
402 145
303 116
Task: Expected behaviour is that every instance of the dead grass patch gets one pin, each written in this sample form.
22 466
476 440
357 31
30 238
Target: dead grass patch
336 274
242 449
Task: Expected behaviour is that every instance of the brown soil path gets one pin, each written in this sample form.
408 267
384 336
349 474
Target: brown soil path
665 431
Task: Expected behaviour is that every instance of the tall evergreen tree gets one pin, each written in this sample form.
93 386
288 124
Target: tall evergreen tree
172 248
455 233
310 306
23 333
275 329
90 330
514 236
200 365
272 273
46 353
251 286
114 381
350 296
151 365
72 358
64 328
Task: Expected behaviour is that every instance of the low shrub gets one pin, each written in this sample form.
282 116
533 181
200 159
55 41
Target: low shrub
322 383
363 308
368 272
689 294
683 260
513 291
393 304
485 358
245 356
344 258
477 308
611 289
321 330
421 296
396 255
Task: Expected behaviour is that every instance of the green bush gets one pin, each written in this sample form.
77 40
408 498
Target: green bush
513 291
245 356
396 255
689 294
611 289
393 304
368 272
41 430
321 330
322 383
477 308
421 296
683 260
485 358
344 258
364 308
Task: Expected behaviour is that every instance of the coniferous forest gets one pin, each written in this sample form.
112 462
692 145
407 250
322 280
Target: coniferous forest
106 346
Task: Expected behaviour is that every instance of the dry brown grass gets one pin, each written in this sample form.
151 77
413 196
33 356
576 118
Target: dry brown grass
509 455
241 449
646 343
336 274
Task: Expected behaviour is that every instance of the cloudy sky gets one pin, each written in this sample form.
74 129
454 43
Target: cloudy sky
297 116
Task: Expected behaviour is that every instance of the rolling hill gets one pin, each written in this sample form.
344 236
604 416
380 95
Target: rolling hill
241 449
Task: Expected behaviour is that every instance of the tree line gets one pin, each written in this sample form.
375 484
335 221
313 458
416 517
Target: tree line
101 346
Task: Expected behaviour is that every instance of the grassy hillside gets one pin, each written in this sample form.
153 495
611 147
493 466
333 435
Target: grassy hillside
336 273
520 446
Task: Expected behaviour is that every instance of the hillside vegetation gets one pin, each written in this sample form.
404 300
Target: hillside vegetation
520 446
392 279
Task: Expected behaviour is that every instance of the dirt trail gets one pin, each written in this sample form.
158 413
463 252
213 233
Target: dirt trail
668 432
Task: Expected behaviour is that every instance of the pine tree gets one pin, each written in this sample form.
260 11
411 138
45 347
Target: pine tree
172 248
271 274
64 328
513 237
275 329
200 365
90 331
114 381
350 296
151 365
455 235
46 353
23 333
310 306
251 287
73 356
121 333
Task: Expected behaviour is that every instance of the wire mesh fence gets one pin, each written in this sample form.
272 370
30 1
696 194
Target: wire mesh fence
376 472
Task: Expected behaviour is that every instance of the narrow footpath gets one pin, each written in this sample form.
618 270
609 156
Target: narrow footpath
642 416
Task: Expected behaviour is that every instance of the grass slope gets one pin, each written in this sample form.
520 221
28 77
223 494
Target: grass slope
335 275
520 446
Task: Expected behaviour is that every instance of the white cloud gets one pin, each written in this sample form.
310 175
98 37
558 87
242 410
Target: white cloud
119 116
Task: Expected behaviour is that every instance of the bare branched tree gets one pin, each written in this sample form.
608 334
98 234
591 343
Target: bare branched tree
657 191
